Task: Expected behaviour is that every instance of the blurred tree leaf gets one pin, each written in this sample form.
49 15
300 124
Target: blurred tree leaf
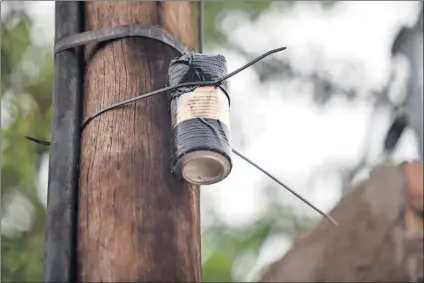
217 268
213 9
26 83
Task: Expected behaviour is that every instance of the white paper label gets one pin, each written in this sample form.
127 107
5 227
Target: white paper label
203 102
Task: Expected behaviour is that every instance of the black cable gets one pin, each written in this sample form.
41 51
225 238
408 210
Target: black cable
242 156
187 84
104 35
254 61
168 88
203 83
37 140
285 186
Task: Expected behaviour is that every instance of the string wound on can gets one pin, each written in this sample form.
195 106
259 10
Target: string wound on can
199 155
216 167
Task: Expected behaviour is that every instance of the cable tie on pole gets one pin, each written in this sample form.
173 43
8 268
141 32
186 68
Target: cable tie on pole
114 33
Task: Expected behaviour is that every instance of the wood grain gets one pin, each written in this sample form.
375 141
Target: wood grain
136 221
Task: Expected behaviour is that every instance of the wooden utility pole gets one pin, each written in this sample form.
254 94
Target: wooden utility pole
136 221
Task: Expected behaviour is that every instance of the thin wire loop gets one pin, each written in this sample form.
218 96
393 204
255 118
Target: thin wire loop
165 89
187 84
203 83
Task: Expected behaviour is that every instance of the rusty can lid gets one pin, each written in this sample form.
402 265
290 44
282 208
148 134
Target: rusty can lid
203 167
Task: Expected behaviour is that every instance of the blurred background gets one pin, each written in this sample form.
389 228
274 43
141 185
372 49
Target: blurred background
315 115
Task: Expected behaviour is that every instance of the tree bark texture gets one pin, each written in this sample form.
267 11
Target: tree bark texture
379 237
136 221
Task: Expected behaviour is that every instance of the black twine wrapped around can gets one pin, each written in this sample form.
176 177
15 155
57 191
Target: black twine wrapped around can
210 162
201 142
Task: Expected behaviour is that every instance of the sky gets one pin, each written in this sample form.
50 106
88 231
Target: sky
281 128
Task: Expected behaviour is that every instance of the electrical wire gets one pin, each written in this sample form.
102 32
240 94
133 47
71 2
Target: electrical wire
242 156
168 88
42 142
187 84
202 83
285 186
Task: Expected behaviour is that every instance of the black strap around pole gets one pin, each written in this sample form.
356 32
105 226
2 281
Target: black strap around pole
119 32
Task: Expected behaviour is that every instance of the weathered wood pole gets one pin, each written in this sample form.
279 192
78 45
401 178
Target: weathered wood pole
136 221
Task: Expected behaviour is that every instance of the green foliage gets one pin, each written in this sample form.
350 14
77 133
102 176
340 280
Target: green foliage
224 246
214 9
217 268
26 84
